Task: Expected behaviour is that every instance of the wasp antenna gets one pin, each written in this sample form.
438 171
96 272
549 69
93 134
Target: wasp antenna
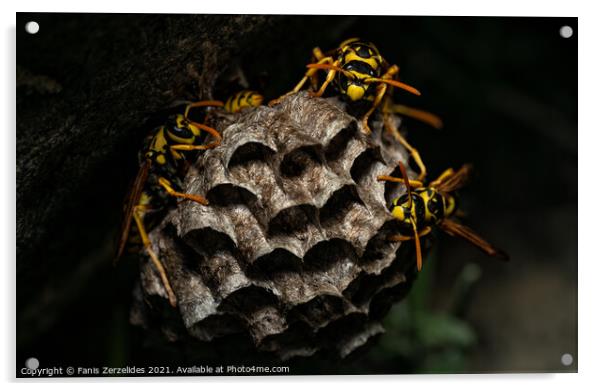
323 66
208 129
214 133
395 83
330 67
418 248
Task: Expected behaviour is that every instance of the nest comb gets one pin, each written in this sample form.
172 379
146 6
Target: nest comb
292 251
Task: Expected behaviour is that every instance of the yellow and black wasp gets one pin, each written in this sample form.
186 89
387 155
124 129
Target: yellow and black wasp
242 100
158 184
237 102
361 74
423 207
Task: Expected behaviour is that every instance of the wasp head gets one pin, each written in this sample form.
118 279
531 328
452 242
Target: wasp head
180 129
354 80
405 211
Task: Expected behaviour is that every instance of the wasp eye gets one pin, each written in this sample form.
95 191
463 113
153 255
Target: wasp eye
181 131
434 206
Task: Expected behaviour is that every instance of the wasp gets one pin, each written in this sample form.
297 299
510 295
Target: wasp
242 100
423 207
237 102
158 184
361 74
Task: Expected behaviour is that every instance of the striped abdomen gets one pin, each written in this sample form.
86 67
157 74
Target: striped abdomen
242 100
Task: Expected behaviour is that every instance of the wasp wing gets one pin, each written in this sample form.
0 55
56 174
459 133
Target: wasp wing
455 181
132 199
454 228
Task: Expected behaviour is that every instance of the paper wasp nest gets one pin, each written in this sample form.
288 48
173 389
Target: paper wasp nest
292 250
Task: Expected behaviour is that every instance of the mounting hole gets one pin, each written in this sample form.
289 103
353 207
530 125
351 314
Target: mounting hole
32 363
32 27
566 31
566 359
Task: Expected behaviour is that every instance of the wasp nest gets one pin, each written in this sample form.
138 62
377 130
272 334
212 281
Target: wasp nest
292 251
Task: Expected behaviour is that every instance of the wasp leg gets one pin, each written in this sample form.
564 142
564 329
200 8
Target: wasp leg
413 151
381 89
380 92
391 72
193 197
399 238
147 245
425 231
208 129
203 103
420 115
190 147
403 238
416 237
309 74
318 55
329 78
413 183
446 174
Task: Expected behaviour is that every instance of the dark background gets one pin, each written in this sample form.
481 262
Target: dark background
89 86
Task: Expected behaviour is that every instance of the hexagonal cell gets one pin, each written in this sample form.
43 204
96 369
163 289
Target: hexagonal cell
292 250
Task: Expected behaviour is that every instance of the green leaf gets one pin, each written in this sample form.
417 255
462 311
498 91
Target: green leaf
440 330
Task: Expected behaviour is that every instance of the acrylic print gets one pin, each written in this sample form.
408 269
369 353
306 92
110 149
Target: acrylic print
203 195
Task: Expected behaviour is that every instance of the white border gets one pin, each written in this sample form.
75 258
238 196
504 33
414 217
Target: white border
590 253
334 7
